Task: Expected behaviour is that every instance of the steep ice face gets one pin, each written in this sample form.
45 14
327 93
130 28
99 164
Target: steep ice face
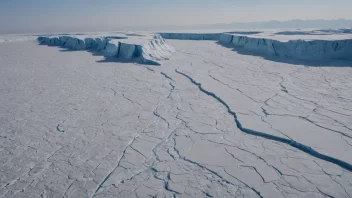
315 32
226 38
191 36
156 49
75 44
299 49
152 52
111 49
127 50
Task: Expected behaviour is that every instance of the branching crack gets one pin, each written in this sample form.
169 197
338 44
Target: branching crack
292 143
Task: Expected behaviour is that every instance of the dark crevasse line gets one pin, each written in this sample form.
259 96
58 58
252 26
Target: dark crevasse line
302 147
154 150
58 127
214 172
117 165
166 76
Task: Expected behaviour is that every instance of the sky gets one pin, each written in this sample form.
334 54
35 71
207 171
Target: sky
25 16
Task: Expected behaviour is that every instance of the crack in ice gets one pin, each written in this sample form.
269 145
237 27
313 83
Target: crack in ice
292 143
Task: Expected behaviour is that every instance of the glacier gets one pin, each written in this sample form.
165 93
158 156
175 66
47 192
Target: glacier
157 49
339 49
152 52
209 121
296 49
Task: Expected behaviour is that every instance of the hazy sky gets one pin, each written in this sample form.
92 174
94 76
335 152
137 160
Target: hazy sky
93 15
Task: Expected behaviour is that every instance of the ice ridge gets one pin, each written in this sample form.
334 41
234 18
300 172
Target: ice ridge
298 49
295 49
151 53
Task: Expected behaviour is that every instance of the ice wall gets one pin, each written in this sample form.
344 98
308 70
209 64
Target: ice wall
191 36
299 49
154 51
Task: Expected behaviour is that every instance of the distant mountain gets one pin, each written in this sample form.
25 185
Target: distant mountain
296 23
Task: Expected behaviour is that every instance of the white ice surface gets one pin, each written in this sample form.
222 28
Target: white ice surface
74 126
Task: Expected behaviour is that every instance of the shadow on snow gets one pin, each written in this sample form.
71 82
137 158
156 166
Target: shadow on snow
106 58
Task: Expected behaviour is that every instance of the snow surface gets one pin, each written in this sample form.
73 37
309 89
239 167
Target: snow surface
209 122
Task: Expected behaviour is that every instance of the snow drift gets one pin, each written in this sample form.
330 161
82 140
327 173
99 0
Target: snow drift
152 52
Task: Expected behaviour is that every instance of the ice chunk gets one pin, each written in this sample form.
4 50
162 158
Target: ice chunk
126 50
75 44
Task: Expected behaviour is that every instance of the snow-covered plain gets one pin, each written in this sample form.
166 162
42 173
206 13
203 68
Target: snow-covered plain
211 120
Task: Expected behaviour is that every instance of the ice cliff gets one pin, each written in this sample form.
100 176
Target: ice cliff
297 49
191 36
156 49
152 52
